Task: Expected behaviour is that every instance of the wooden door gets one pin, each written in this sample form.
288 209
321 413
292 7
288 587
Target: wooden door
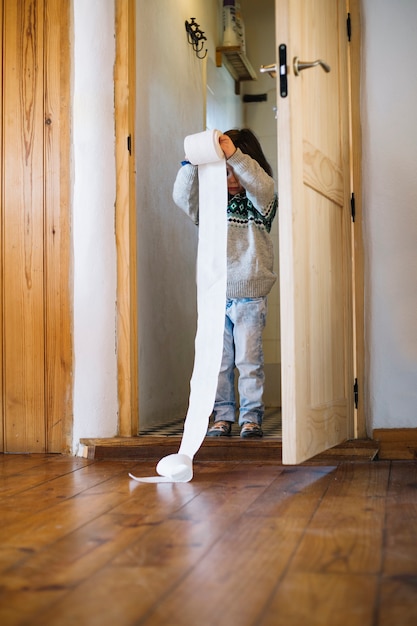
35 311
315 230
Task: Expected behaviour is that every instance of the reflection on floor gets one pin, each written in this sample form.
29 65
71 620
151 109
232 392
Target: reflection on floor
271 426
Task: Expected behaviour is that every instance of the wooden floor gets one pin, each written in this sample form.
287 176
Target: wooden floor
326 543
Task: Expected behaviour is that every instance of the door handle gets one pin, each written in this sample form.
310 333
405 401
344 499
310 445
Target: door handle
273 69
269 69
305 65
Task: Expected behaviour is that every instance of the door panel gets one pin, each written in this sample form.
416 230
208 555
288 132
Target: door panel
315 230
35 313
23 225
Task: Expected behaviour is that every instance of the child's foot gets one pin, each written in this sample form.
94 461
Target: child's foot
220 429
251 430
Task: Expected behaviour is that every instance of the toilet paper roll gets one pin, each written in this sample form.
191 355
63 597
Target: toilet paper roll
203 149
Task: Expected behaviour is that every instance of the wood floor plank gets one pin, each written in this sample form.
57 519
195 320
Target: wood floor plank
174 546
400 550
321 600
117 596
149 570
398 601
51 488
172 581
27 472
398 589
44 528
231 492
15 612
13 463
25 477
47 575
346 532
243 566
81 551
245 543
396 443
295 492
44 514
235 579
66 567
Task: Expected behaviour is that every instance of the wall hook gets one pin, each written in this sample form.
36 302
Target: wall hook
196 37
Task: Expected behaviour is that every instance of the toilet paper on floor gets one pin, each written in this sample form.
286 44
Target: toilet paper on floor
203 149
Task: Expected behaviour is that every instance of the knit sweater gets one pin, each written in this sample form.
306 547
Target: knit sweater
249 217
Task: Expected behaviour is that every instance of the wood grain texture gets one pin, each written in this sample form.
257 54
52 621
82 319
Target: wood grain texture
36 319
58 311
23 227
127 350
396 443
315 233
355 65
266 450
1 238
322 174
243 543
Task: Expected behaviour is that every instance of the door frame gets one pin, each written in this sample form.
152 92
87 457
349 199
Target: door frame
125 219
127 344
354 57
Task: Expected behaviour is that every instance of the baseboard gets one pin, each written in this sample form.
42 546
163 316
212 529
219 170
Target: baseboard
396 443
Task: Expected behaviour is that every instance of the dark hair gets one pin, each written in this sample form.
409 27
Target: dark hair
249 144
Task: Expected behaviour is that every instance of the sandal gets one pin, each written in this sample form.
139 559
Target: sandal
251 430
220 429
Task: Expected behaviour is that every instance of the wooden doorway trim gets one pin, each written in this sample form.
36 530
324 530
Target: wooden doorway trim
2 424
358 244
126 219
58 309
127 359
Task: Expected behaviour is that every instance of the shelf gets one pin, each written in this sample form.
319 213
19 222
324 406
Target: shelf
236 63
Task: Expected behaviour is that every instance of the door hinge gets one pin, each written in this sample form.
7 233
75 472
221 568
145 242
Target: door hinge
129 144
353 207
349 27
356 393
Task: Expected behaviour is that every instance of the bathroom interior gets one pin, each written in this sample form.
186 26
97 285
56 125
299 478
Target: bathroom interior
180 91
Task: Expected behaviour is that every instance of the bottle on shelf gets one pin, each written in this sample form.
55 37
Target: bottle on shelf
233 25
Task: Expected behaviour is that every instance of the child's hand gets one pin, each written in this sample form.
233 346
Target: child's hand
227 145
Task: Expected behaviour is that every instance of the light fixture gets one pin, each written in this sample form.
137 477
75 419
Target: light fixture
196 37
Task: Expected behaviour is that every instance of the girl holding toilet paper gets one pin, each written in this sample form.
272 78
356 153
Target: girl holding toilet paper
251 208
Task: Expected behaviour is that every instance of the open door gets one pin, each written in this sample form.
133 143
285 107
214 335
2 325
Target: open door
315 226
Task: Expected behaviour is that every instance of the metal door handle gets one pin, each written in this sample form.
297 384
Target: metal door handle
269 69
304 65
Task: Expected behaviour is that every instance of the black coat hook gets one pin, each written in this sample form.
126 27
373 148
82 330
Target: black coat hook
196 37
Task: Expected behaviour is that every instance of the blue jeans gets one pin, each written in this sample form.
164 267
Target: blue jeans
242 348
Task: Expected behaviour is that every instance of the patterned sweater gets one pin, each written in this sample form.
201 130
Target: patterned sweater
249 217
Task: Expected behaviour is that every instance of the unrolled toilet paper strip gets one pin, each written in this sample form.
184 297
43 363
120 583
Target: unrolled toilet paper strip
203 149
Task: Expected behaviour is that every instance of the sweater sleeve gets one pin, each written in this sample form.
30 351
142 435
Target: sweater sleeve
185 191
259 186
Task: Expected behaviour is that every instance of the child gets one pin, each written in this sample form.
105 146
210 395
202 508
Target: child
251 208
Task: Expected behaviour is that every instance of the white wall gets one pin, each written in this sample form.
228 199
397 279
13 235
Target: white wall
389 104
94 256
171 104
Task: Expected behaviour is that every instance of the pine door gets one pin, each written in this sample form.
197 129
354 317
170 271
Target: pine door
35 311
315 227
